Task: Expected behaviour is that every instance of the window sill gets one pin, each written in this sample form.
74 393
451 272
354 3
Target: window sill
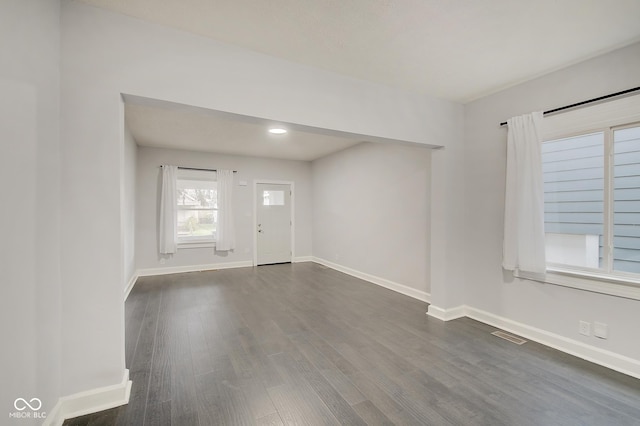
196 244
628 288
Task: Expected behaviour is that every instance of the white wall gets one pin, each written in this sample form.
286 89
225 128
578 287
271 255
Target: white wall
248 169
371 211
545 306
29 220
104 55
447 235
129 192
149 60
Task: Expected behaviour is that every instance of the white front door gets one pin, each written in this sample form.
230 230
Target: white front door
273 219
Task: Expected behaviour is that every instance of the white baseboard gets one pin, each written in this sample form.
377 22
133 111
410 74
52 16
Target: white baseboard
299 259
91 401
132 282
446 314
145 272
603 357
382 282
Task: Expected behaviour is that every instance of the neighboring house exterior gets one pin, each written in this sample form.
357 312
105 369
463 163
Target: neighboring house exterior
574 189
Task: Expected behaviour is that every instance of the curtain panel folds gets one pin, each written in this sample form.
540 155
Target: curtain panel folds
524 238
226 239
168 210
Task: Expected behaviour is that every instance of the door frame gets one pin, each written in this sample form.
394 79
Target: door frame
255 215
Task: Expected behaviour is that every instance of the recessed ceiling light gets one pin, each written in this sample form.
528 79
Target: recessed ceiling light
278 131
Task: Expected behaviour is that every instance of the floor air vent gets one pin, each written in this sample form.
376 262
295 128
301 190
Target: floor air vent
509 337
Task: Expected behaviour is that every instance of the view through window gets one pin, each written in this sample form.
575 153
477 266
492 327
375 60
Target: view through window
592 200
197 213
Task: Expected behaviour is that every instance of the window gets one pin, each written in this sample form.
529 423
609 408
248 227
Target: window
273 198
625 256
592 201
197 209
573 174
591 169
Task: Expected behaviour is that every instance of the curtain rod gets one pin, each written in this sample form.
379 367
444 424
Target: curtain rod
202 170
590 101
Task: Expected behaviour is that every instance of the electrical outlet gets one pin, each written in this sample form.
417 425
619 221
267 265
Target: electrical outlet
600 330
585 328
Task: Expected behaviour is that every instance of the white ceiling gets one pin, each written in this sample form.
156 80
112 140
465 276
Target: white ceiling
166 125
453 49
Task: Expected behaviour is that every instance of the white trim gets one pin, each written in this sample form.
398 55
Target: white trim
587 281
446 314
192 268
382 282
182 245
90 401
303 259
129 287
603 357
255 214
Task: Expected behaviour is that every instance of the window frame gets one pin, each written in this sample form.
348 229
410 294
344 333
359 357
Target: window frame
606 117
195 241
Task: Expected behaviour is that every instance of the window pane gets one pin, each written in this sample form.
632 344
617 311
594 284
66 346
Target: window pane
573 173
197 198
273 198
197 223
626 200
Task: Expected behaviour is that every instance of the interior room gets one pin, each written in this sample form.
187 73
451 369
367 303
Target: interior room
176 261
383 176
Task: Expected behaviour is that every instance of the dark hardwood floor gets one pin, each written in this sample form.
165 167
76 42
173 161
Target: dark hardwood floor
305 345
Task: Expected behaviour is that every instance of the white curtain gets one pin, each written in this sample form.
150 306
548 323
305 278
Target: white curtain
524 245
226 233
168 210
